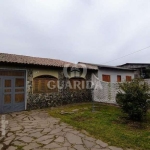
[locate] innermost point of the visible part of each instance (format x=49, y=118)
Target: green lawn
x=107, y=124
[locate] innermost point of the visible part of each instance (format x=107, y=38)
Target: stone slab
x=73, y=139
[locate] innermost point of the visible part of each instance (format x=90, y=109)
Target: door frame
x=4, y=78
x=25, y=70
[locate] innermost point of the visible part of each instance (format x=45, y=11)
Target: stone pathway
x=37, y=130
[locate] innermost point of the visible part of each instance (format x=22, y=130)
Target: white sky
x=94, y=31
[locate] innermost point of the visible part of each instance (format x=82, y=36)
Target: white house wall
x=113, y=74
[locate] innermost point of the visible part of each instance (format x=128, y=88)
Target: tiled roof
x=106, y=66
x=20, y=59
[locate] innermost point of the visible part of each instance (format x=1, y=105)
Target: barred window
x=45, y=84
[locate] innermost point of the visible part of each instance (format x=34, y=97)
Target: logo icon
x=74, y=71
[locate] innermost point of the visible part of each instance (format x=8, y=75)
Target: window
x=7, y=83
x=106, y=78
x=45, y=84
x=7, y=98
x=128, y=78
x=118, y=78
x=77, y=84
x=19, y=82
x=11, y=73
x=19, y=97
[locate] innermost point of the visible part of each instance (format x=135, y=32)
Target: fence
x=108, y=92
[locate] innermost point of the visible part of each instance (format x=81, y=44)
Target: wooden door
x=7, y=95
x=12, y=91
x=19, y=94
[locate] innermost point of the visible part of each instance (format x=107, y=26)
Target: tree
x=133, y=98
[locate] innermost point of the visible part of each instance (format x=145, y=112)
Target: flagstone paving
x=37, y=130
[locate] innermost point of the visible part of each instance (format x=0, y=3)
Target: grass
x=19, y=147
x=107, y=124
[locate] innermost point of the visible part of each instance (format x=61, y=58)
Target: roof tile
x=20, y=59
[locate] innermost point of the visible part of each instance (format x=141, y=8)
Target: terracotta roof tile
x=20, y=59
x=12, y=58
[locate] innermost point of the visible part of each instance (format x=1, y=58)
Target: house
x=112, y=73
x=107, y=85
x=142, y=70
x=31, y=82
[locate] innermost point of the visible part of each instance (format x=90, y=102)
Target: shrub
x=133, y=99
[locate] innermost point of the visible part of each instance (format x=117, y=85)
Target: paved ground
x=37, y=130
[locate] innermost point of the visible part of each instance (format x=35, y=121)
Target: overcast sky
x=95, y=31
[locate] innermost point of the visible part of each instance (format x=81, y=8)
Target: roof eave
x=115, y=68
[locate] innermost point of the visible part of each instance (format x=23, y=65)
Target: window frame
x=104, y=78
x=119, y=77
x=128, y=78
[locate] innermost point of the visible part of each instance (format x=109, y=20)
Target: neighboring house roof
x=28, y=60
x=106, y=66
x=135, y=65
x=89, y=65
